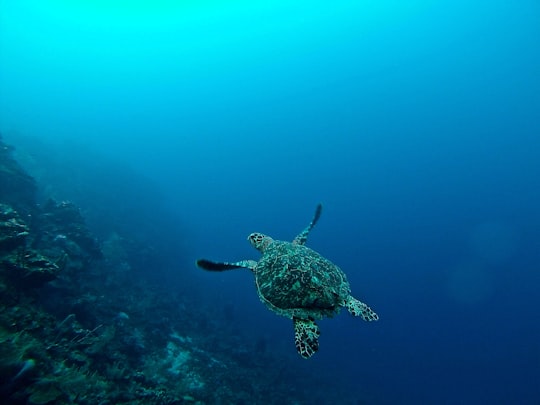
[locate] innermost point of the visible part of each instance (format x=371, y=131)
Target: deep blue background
x=416, y=124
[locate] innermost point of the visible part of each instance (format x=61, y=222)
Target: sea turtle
x=295, y=281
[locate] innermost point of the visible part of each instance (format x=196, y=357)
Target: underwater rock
x=18, y=188
x=134, y=342
x=44, y=393
x=61, y=224
x=13, y=230
x=63, y=213
x=28, y=268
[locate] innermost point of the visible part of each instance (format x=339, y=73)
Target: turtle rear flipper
x=306, y=337
x=358, y=308
x=222, y=266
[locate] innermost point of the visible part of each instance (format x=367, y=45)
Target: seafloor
x=79, y=324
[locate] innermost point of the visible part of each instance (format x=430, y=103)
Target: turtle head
x=259, y=241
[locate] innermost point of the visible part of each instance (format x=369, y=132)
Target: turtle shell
x=295, y=281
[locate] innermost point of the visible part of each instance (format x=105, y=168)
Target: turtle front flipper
x=358, y=308
x=302, y=237
x=306, y=337
x=222, y=266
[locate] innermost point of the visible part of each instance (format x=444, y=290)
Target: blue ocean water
x=415, y=123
